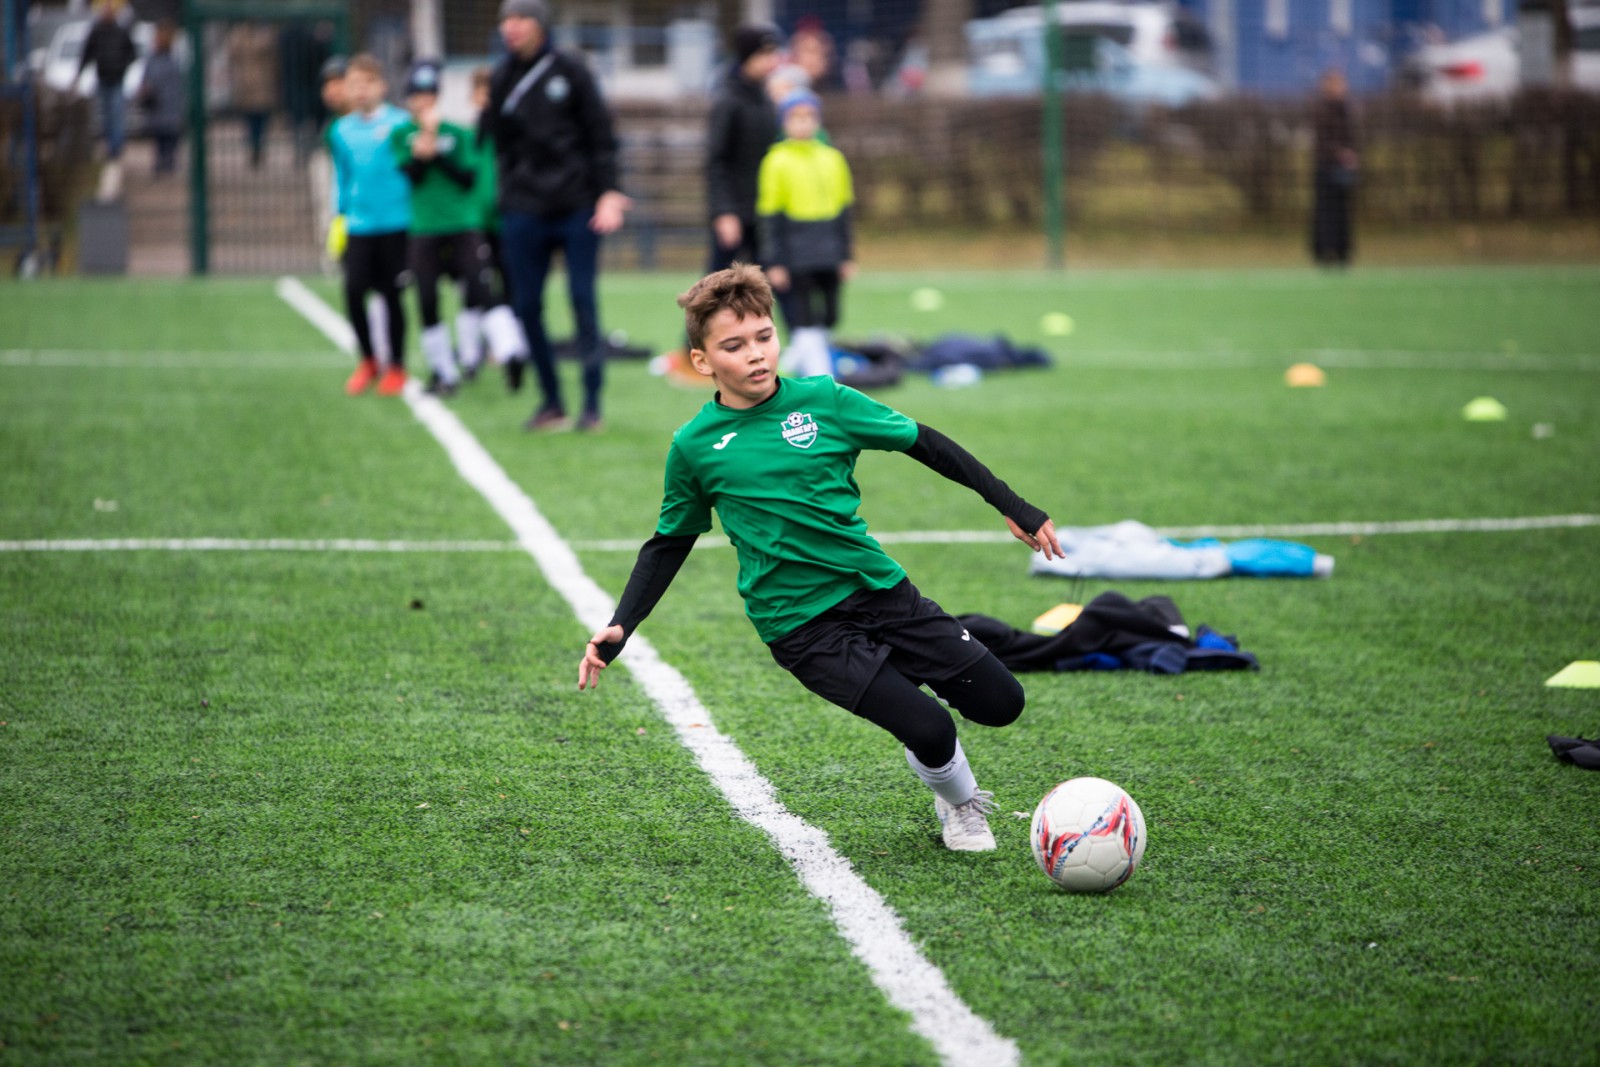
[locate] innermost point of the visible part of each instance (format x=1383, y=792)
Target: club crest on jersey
x=799, y=429
x=558, y=88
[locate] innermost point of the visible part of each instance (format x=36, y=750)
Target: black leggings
x=985, y=693
x=376, y=262
x=463, y=256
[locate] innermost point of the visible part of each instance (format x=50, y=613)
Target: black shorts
x=837, y=654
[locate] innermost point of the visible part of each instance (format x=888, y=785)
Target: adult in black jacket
x=743, y=126
x=110, y=48
x=557, y=160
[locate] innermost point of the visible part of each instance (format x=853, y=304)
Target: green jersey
x=439, y=203
x=487, y=190
x=781, y=478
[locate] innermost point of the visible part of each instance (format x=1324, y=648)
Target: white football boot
x=965, y=827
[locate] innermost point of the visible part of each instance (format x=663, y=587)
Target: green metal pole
x=1054, y=148
x=199, y=208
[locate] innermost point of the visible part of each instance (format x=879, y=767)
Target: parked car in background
x=1140, y=52
x=1484, y=66
x=1586, y=46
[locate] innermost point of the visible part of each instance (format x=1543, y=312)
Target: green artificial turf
x=323, y=806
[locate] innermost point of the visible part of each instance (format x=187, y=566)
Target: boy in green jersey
x=775, y=458
x=437, y=158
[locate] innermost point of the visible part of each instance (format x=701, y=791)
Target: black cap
x=333, y=67
x=425, y=77
x=752, y=38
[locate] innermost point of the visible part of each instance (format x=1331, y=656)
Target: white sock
x=504, y=331
x=441, y=358
x=954, y=781
x=808, y=352
x=378, y=323
x=469, y=337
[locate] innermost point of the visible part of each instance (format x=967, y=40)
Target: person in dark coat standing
x=161, y=94
x=1336, y=165
x=744, y=124
x=559, y=189
x=110, y=48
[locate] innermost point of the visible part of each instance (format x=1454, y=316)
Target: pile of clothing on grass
x=1111, y=633
x=1129, y=550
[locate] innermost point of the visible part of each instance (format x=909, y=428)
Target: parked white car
x=1141, y=52
x=1586, y=46
x=1484, y=66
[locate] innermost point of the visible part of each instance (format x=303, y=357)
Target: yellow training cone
x=1304, y=375
x=1484, y=409
x=1057, y=619
x=1584, y=674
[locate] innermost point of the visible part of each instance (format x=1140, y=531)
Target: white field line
x=239, y=544
x=1305, y=529
x=874, y=932
x=902, y=537
x=98, y=359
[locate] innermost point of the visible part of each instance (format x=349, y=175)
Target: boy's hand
x=1044, y=540
x=592, y=664
x=779, y=278
x=847, y=270
x=425, y=145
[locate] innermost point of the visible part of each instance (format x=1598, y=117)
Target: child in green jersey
x=775, y=458
x=438, y=158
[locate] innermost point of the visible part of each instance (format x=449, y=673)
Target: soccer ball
x=1087, y=835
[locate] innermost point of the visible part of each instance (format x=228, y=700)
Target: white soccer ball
x=1087, y=835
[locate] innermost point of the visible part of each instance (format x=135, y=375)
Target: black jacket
x=744, y=123
x=111, y=49
x=554, y=144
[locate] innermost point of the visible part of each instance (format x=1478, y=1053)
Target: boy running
x=437, y=158
x=776, y=459
x=374, y=208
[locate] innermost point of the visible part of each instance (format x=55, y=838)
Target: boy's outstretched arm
x=1027, y=523
x=659, y=561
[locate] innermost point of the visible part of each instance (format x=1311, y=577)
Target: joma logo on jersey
x=799, y=429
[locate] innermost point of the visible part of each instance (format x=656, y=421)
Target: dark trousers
x=166, y=152
x=376, y=263
x=529, y=244
x=463, y=256
x=814, y=298
x=1330, y=215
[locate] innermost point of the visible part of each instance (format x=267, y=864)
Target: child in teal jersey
x=373, y=206
x=775, y=458
x=437, y=158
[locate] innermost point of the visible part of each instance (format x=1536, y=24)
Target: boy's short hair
x=481, y=76
x=741, y=289
x=365, y=63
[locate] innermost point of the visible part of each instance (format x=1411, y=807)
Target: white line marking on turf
x=875, y=933
x=904, y=537
x=98, y=359
x=232, y=544
x=1306, y=529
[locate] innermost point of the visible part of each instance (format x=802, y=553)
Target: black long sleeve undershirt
x=659, y=561
x=938, y=453
x=661, y=557
x=417, y=169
